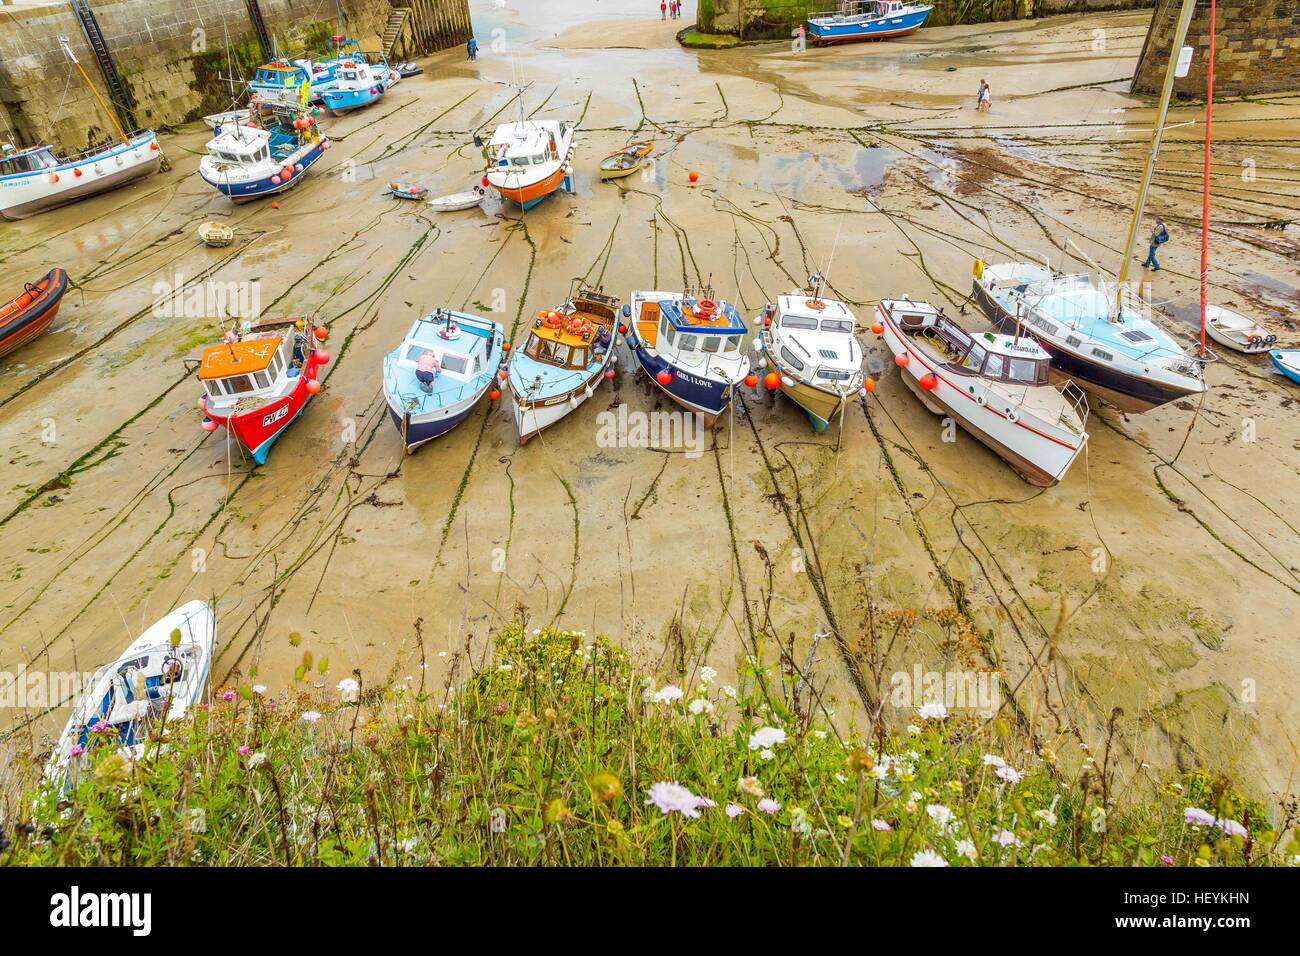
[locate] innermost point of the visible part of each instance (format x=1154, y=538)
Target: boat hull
x=23, y=196
x=707, y=397
x=533, y=416
x=530, y=195
x=264, y=186
x=31, y=321
x=822, y=32
x=1128, y=393
x=345, y=101
x=1290, y=371
x=820, y=405
x=257, y=430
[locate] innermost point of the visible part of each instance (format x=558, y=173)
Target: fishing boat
x=1122, y=357
x=995, y=386
x=256, y=382
x=463, y=354
x=867, y=20
x=807, y=340
x=1233, y=330
x=689, y=344
x=569, y=350
x=1287, y=361
x=268, y=155
x=457, y=201
x=216, y=234
x=155, y=681
x=408, y=190
x=279, y=83
x=34, y=180
x=529, y=160
x=357, y=83
x=626, y=161
x=32, y=312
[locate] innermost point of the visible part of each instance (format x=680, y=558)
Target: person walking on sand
x=1159, y=236
x=663, y=9
x=985, y=98
x=472, y=49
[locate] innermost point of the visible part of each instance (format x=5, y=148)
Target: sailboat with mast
x=1098, y=331
x=36, y=179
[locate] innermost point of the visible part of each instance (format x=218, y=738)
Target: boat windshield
x=798, y=322
x=28, y=162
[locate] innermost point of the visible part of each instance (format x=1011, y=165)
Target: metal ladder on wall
x=118, y=92
x=393, y=30
x=264, y=39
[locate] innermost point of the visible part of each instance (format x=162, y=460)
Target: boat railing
x=101, y=147
x=412, y=400
x=1078, y=401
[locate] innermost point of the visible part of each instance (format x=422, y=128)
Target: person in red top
x=663, y=9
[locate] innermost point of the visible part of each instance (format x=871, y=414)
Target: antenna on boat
x=112, y=117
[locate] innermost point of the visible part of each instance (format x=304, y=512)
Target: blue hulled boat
x=269, y=154
x=1286, y=361
x=690, y=346
x=466, y=352
x=867, y=20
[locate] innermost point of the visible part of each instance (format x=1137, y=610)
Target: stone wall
x=759, y=18
x=1256, y=50
x=174, y=55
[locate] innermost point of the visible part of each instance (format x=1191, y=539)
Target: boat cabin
x=32, y=160
x=241, y=147
x=1004, y=358
x=520, y=145
x=251, y=367
x=458, y=342
x=814, y=336
x=577, y=335
x=690, y=324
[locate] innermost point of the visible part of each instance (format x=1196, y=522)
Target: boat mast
x=1180, y=35
x=1205, y=199
x=63, y=41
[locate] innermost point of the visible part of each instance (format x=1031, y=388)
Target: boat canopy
x=694, y=315
x=30, y=160
x=238, y=358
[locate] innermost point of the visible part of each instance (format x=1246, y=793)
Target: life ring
x=816, y=305
x=706, y=309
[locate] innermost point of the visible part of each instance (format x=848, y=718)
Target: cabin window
x=1103, y=355
x=798, y=322
x=454, y=363
x=789, y=357
x=711, y=343
x=238, y=384
x=731, y=343
x=670, y=333
x=1023, y=370
x=687, y=344
x=976, y=358
x=993, y=368
x=836, y=325
x=261, y=380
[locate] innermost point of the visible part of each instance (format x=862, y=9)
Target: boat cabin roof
x=471, y=340
x=685, y=316
x=807, y=307
x=239, y=358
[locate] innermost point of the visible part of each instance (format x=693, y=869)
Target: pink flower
x=768, y=805
x=706, y=803
x=670, y=796
x=100, y=726
x=228, y=696
x=1197, y=816
x=880, y=825
x=1166, y=860
x=76, y=751
x=243, y=751
x=734, y=810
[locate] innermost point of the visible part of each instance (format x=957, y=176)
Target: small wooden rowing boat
x=30, y=314
x=1287, y=361
x=408, y=190
x=1235, y=331
x=457, y=201
x=625, y=161
x=216, y=234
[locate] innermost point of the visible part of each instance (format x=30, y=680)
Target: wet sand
x=1161, y=577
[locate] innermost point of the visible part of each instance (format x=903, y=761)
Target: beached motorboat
x=466, y=355
x=279, y=83
x=625, y=161
x=408, y=190
x=257, y=381
x=155, y=681
x=455, y=201
x=357, y=83
x=689, y=344
x=1287, y=361
x=867, y=20
x=34, y=180
x=569, y=351
x=1121, y=356
x=1235, y=331
x=216, y=234
x=269, y=154
x=529, y=160
x=995, y=386
x=32, y=312
x=807, y=340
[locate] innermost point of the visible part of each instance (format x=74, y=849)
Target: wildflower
x=729, y=691
x=966, y=848
x=1009, y=775
x=766, y=737
x=940, y=814
x=1047, y=816
x=751, y=786
x=100, y=726
x=228, y=696
x=1232, y=828
x=993, y=760
x=933, y=711
x=259, y=689
x=349, y=690
x=734, y=810
x=799, y=822
x=880, y=826
x=243, y=751
x=1166, y=860
x=768, y=805
x=1198, y=817
x=844, y=821
x=311, y=716
x=927, y=858
x=766, y=754
x=256, y=760
x=1098, y=816
x=1006, y=838
x=701, y=705
x=501, y=709
x=706, y=803
x=707, y=675
x=670, y=796
x=667, y=694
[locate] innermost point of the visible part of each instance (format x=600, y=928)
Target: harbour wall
x=1256, y=49
x=176, y=56
x=755, y=19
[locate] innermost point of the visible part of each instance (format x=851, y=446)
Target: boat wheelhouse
x=1118, y=354
x=867, y=20
x=809, y=342
x=529, y=160
x=466, y=352
x=689, y=344
x=268, y=155
x=569, y=351
x=997, y=387
x=280, y=83
x=257, y=382
x=36, y=179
